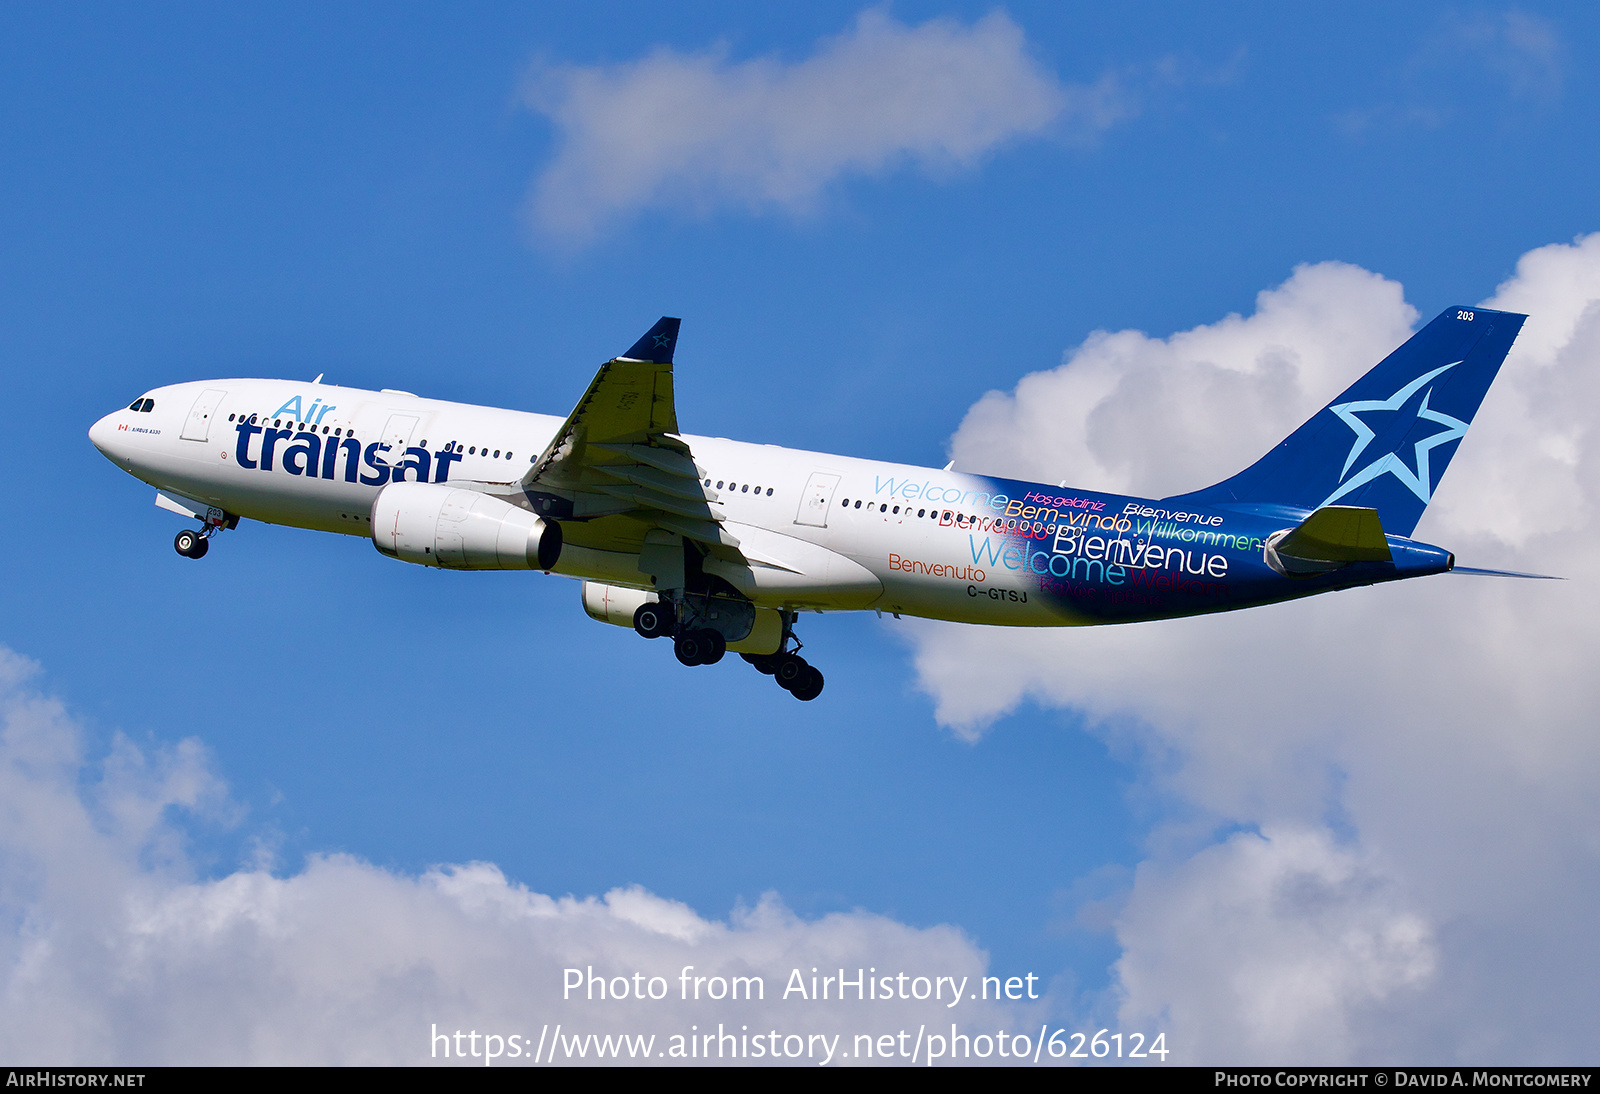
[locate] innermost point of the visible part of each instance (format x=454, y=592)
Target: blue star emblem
x=663, y=340
x=1418, y=481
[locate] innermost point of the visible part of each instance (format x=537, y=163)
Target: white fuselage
x=889, y=537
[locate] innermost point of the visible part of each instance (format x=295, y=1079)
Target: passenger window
x=769, y=491
x=897, y=509
x=508, y=455
x=845, y=503
x=719, y=484
x=858, y=505
x=496, y=451
x=746, y=489
x=922, y=512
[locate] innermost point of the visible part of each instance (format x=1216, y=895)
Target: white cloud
x=113, y=952
x=1223, y=388
x=1255, y=947
x=1447, y=724
x=698, y=131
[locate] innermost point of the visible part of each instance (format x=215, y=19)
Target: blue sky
x=192, y=192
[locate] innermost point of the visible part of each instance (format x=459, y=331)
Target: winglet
x=657, y=344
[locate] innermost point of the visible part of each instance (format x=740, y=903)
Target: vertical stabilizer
x=1385, y=442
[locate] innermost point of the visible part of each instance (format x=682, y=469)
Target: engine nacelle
x=436, y=525
x=614, y=604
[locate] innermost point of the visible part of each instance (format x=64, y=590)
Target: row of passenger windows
x=338, y=431
x=277, y=423
x=734, y=487
x=145, y=405
x=883, y=507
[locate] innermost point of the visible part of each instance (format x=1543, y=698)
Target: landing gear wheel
x=764, y=662
x=653, y=621
x=200, y=548
x=189, y=544
x=809, y=685
x=791, y=670
x=691, y=647
x=716, y=646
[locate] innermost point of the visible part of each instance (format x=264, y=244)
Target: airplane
x=721, y=545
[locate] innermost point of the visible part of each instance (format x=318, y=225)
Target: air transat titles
x=314, y=456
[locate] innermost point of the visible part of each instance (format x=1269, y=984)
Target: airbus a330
x=722, y=545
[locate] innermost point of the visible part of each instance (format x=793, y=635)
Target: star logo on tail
x=1419, y=480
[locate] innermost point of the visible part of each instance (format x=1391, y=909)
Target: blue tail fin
x=657, y=343
x=1385, y=442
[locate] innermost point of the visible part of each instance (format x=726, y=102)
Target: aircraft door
x=198, y=425
x=817, y=499
x=397, y=435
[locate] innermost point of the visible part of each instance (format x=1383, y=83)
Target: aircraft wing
x=617, y=470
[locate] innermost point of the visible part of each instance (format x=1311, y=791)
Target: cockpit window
x=145, y=405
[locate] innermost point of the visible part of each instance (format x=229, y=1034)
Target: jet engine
x=436, y=525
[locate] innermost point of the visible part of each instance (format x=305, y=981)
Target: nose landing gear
x=194, y=543
x=190, y=544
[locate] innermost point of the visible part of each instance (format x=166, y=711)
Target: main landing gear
x=705, y=646
x=792, y=672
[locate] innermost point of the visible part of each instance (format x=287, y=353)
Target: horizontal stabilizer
x=1338, y=533
x=1472, y=571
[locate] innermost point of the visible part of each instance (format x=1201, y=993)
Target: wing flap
x=649, y=477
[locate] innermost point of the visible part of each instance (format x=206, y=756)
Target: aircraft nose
x=103, y=433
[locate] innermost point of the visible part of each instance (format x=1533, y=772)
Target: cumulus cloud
x=1441, y=732
x=1283, y=930
x=699, y=130
x=115, y=952
x=1223, y=388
